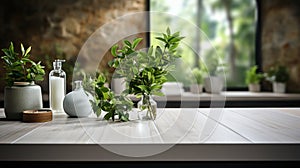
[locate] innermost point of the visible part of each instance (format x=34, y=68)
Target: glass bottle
x=57, y=86
x=147, y=108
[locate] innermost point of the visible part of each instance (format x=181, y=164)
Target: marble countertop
x=173, y=126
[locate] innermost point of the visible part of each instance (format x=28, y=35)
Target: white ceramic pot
x=214, y=84
x=254, y=87
x=279, y=87
x=118, y=85
x=196, y=88
x=21, y=97
x=172, y=88
x=76, y=103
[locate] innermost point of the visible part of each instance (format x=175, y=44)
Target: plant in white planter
x=21, y=93
x=253, y=79
x=197, y=84
x=278, y=75
x=213, y=83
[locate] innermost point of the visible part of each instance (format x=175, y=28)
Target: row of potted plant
x=277, y=75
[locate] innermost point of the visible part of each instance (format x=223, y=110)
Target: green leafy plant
x=278, y=74
x=105, y=100
x=213, y=63
x=253, y=77
x=198, y=75
x=19, y=68
x=145, y=71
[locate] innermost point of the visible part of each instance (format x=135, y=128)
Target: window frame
x=257, y=45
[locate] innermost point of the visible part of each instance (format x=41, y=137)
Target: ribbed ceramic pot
x=279, y=87
x=254, y=87
x=20, y=97
x=214, y=84
x=196, y=88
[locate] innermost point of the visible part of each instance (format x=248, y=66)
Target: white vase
x=214, y=84
x=254, y=87
x=279, y=87
x=76, y=103
x=196, y=88
x=118, y=85
x=18, y=98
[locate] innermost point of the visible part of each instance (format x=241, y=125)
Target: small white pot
x=214, y=84
x=196, y=88
x=254, y=87
x=118, y=85
x=172, y=88
x=278, y=87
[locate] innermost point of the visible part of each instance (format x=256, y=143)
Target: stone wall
x=59, y=28
x=281, y=37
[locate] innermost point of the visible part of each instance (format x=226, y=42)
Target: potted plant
x=278, y=75
x=145, y=71
x=197, y=84
x=21, y=93
x=253, y=79
x=213, y=83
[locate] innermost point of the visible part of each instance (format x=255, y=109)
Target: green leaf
x=127, y=43
x=104, y=89
x=161, y=39
x=114, y=50
x=22, y=49
x=107, y=116
x=150, y=51
x=11, y=47
x=142, y=87
x=155, y=86
x=158, y=93
x=136, y=42
x=98, y=111
x=27, y=51
x=158, y=52
x=168, y=31
x=110, y=63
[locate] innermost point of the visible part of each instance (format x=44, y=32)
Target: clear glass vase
x=147, y=108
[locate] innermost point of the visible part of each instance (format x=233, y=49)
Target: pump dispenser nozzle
x=57, y=64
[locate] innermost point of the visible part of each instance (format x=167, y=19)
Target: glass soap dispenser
x=57, y=86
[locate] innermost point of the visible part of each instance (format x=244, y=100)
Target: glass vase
x=147, y=108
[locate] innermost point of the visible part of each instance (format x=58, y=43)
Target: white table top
x=190, y=126
x=173, y=125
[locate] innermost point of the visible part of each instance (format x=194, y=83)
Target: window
x=228, y=25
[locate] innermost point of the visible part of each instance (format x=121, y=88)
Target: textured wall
x=59, y=28
x=281, y=37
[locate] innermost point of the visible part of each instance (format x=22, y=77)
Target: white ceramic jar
x=76, y=103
